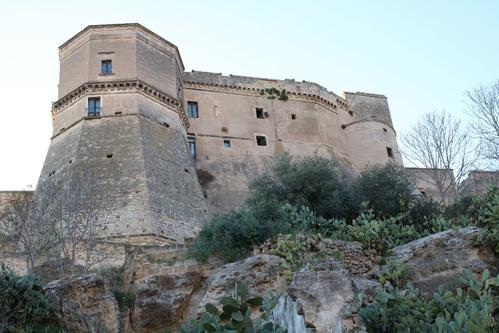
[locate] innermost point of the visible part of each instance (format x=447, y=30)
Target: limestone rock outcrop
x=261, y=273
x=84, y=304
x=324, y=293
x=161, y=300
x=441, y=258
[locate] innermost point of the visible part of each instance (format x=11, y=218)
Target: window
x=384, y=129
x=389, y=152
x=293, y=116
x=93, y=109
x=261, y=140
x=259, y=113
x=192, y=110
x=227, y=143
x=192, y=146
x=106, y=67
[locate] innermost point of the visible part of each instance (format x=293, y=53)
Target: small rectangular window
x=389, y=152
x=192, y=146
x=227, y=143
x=93, y=107
x=261, y=140
x=293, y=116
x=106, y=67
x=192, y=110
x=259, y=113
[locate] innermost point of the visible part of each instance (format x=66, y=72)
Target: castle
x=158, y=148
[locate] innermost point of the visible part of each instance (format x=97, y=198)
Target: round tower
x=119, y=147
x=370, y=135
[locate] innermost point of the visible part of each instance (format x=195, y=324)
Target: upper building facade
x=158, y=148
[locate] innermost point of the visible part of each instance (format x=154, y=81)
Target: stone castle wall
x=132, y=164
x=310, y=121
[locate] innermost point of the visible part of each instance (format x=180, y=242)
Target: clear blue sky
x=423, y=55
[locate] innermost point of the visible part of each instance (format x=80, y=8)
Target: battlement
x=258, y=85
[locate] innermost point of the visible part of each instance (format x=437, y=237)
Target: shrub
x=468, y=309
x=421, y=211
x=235, y=316
x=489, y=218
x=232, y=236
x=23, y=304
x=385, y=188
x=312, y=182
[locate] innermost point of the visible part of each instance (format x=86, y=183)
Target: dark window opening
x=109, y=155
x=389, y=152
x=227, y=144
x=192, y=146
x=293, y=116
x=186, y=170
x=118, y=112
x=166, y=125
x=94, y=108
x=70, y=161
x=192, y=110
x=259, y=113
x=261, y=140
x=106, y=67
x=384, y=129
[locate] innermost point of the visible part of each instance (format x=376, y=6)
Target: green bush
x=469, y=309
x=313, y=182
x=385, y=188
x=232, y=236
x=23, y=303
x=489, y=218
x=235, y=316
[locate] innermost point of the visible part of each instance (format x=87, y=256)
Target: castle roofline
x=364, y=94
x=121, y=25
x=306, y=87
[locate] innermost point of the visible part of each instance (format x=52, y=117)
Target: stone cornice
x=137, y=86
x=241, y=90
x=369, y=121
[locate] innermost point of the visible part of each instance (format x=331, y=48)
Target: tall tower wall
x=128, y=162
x=370, y=134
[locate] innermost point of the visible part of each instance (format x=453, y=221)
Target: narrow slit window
x=192, y=110
x=261, y=140
x=259, y=113
x=106, y=67
x=227, y=143
x=192, y=146
x=293, y=116
x=389, y=152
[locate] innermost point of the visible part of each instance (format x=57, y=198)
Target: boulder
x=441, y=258
x=161, y=300
x=84, y=304
x=324, y=294
x=261, y=273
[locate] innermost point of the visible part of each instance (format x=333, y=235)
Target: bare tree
x=74, y=212
x=24, y=231
x=437, y=144
x=483, y=105
x=61, y=223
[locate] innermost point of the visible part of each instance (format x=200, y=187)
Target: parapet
x=369, y=107
x=293, y=88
